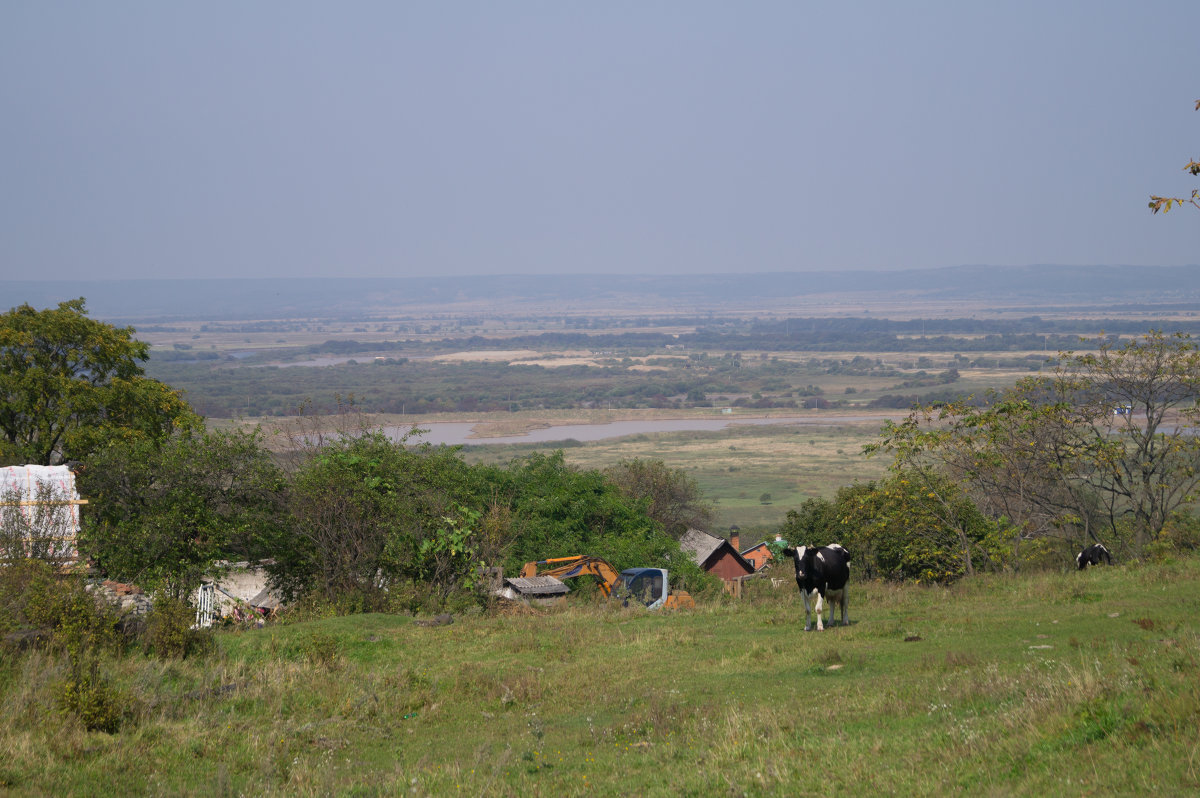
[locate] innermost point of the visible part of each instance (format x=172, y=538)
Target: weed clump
x=321, y=650
x=169, y=633
x=86, y=695
x=83, y=630
x=26, y=587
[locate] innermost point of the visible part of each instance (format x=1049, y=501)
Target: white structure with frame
x=39, y=509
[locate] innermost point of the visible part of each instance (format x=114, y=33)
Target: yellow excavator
x=647, y=585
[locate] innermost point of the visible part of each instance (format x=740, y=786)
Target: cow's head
x=802, y=556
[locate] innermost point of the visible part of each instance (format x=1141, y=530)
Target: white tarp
x=41, y=502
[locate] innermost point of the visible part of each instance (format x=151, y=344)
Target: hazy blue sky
x=398, y=138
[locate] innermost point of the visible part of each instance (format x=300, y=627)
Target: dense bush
x=367, y=514
x=82, y=635
x=165, y=513
x=26, y=587
x=169, y=633
x=896, y=530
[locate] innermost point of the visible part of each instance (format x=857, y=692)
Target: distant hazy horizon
x=1011, y=267
x=276, y=297
x=379, y=139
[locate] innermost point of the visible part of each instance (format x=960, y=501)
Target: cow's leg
x=846, y=606
x=807, y=610
x=820, y=610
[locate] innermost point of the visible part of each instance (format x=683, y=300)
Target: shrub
x=87, y=695
x=84, y=629
x=1180, y=534
x=62, y=604
x=315, y=606
x=169, y=632
x=25, y=588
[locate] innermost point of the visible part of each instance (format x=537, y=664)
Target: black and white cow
x=822, y=572
x=1094, y=554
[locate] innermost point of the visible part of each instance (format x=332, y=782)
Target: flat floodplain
x=1072, y=683
x=735, y=467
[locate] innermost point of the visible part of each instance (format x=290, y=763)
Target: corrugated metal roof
x=699, y=544
x=538, y=585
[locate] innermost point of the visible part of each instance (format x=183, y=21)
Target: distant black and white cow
x=822, y=573
x=1094, y=554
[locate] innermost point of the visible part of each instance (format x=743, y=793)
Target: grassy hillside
x=1054, y=684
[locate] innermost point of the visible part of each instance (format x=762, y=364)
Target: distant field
x=470, y=359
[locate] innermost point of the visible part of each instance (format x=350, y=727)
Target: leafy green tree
x=162, y=515
x=900, y=529
x=673, y=498
x=68, y=383
x=815, y=523
x=1017, y=456
x=448, y=559
x=559, y=511
x=344, y=508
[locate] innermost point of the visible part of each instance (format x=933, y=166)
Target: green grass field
x=1051, y=684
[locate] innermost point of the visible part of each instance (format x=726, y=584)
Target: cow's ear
x=789, y=552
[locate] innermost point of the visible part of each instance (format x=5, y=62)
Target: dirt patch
x=488, y=355
x=550, y=363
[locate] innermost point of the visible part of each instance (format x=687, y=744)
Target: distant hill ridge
x=281, y=297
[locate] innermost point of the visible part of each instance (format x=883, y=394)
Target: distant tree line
x=422, y=386
x=796, y=334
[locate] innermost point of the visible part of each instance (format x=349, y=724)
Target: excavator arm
x=650, y=584
x=567, y=567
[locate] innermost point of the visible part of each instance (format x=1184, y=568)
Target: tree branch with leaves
x=1105, y=447
x=1165, y=204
